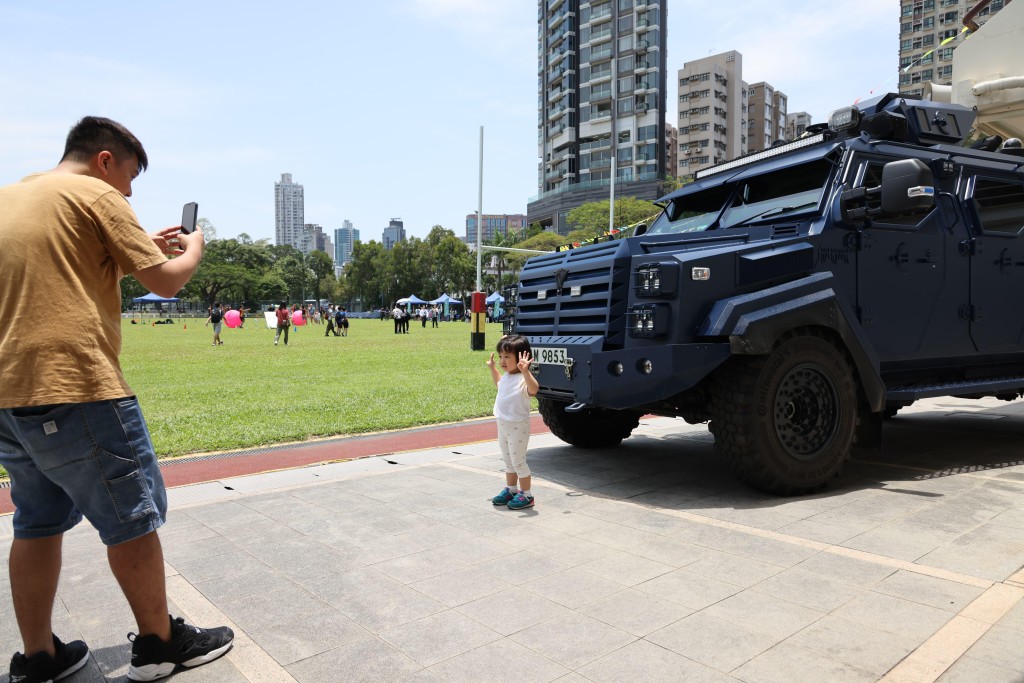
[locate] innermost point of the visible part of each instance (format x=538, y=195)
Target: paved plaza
x=647, y=562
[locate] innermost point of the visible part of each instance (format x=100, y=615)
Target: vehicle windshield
x=784, y=192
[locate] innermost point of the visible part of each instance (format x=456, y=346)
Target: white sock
x=527, y=494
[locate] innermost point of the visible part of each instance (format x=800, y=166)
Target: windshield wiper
x=775, y=211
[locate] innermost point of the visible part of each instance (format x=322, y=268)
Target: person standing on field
x=72, y=435
x=284, y=321
x=216, y=317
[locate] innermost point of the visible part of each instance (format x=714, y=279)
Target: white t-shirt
x=513, y=400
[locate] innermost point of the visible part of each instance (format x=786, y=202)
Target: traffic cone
x=185, y=326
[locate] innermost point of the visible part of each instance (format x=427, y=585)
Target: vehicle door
x=911, y=277
x=995, y=209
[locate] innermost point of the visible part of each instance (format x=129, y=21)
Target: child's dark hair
x=514, y=344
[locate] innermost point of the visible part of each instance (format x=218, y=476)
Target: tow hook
x=576, y=407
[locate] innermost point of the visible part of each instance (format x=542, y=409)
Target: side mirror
x=639, y=230
x=907, y=185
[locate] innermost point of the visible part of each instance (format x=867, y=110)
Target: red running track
x=178, y=473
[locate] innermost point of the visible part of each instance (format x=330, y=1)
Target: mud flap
x=867, y=437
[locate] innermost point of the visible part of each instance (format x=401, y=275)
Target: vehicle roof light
x=760, y=156
x=844, y=119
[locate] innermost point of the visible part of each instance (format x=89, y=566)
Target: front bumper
x=590, y=376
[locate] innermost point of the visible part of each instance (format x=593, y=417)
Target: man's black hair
x=94, y=134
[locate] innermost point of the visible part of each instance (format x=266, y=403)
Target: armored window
x=999, y=205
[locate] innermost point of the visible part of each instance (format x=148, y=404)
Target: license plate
x=550, y=356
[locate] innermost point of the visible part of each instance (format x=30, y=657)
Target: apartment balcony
x=564, y=136
x=601, y=96
x=598, y=16
x=556, y=20
x=598, y=37
x=601, y=55
x=597, y=79
x=640, y=3
x=557, y=93
x=642, y=45
x=558, y=111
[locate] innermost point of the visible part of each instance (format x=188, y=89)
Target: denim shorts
x=73, y=459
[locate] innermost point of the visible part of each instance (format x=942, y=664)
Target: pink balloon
x=232, y=318
x=297, y=319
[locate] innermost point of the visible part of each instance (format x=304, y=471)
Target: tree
x=209, y=231
x=544, y=241
x=322, y=266
x=593, y=216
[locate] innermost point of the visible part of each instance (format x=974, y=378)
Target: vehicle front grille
x=601, y=274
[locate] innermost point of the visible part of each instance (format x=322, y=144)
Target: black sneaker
x=189, y=646
x=42, y=667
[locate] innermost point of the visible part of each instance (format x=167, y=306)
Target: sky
x=375, y=108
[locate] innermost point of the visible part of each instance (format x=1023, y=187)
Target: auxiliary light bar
x=760, y=156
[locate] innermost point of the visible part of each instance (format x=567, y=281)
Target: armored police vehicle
x=793, y=297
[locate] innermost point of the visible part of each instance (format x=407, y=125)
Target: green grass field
x=248, y=392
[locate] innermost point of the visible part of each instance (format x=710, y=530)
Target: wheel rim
x=806, y=412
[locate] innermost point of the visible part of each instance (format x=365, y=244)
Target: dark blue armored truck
x=794, y=297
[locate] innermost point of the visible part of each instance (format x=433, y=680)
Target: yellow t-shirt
x=65, y=241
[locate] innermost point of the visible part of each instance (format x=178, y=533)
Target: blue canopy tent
x=497, y=300
x=410, y=301
x=152, y=298
x=445, y=302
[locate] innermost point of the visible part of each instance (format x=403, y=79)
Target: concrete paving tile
x=688, y=589
x=263, y=611
x=1013, y=517
x=336, y=588
x=387, y=608
x=714, y=642
x=439, y=637
x=383, y=548
x=418, y=566
x=364, y=661
x=572, y=551
x=304, y=636
x=1000, y=646
x=626, y=568
x=511, y=611
x=402, y=524
x=887, y=613
x=740, y=571
x=849, y=569
x=200, y=548
x=635, y=612
x=650, y=663
x=858, y=645
x=1014, y=619
x=460, y=586
x=971, y=670
x=666, y=550
x=830, y=532
x=771, y=551
x=268, y=533
x=476, y=550
x=240, y=586
x=331, y=498
x=572, y=587
x=901, y=540
x=764, y=614
x=220, y=566
x=991, y=551
x=709, y=535
x=436, y=536
x=521, y=567
x=785, y=663
x=928, y=590
x=303, y=557
x=810, y=589
x=576, y=524
x=758, y=517
x=491, y=662
x=573, y=640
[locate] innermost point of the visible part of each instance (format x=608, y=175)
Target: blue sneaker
x=520, y=501
x=504, y=497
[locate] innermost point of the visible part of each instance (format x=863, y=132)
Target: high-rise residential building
x=766, y=116
x=671, y=148
x=796, y=124
x=289, y=212
x=711, y=112
x=493, y=225
x=345, y=239
x=924, y=25
x=601, y=104
x=313, y=237
x=394, y=233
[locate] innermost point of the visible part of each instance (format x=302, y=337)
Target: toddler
x=512, y=410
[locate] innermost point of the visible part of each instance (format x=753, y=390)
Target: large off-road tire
x=785, y=422
x=589, y=428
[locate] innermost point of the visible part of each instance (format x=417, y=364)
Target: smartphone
x=189, y=215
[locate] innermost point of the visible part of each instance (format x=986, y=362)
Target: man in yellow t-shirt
x=72, y=436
